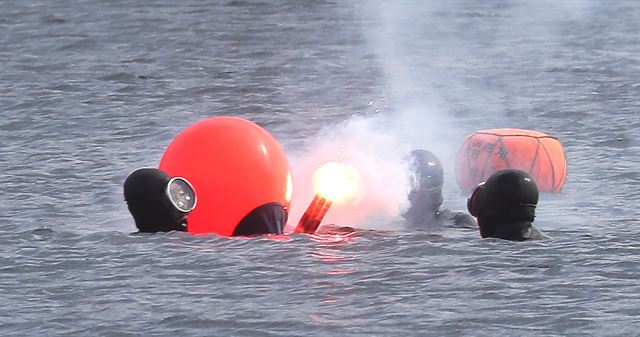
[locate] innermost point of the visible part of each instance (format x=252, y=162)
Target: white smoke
x=428, y=63
x=381, y=161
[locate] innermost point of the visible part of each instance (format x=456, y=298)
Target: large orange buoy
x=234, y=165
x=488, y=151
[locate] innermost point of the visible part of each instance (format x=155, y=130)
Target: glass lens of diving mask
x=181, y=195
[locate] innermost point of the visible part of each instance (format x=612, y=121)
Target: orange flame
x=337, y=182
x=333, y=182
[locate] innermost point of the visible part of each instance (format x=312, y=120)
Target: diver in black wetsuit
x=426, y=196
x=505, y=206
x=158, y=202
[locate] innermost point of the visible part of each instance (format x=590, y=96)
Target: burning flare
x=337, y=182
x=333, y=182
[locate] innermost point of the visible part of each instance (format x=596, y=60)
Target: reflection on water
x=336, y=263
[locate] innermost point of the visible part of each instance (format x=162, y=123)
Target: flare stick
x=312, y=217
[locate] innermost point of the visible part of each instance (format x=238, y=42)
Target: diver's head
x=505, y=204
x=426, y=181
x=158, y=202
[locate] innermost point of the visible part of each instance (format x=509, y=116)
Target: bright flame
x=337, y=182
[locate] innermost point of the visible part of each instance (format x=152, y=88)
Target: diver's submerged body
x=426, y=196
x=505, y=206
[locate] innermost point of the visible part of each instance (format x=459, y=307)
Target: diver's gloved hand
x=465, y=220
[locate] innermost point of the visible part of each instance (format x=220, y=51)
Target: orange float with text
x=487, y=151
x=234, y=166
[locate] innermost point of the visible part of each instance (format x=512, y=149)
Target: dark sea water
x=92, y=90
